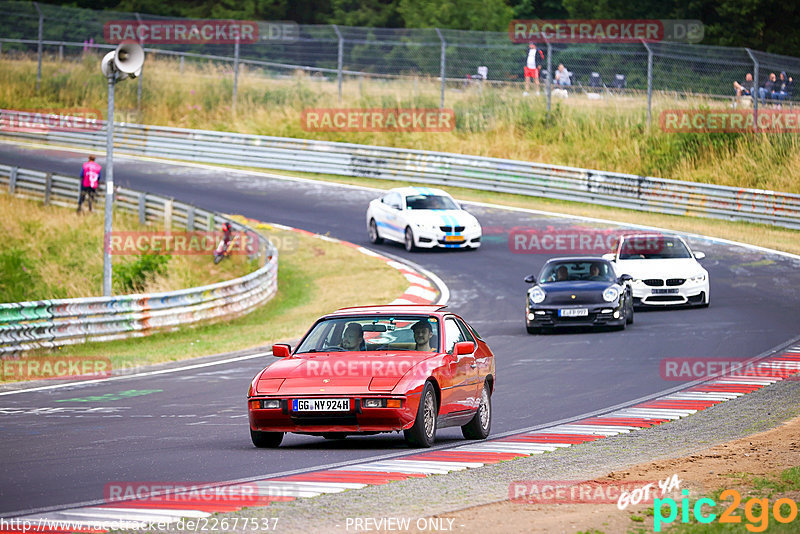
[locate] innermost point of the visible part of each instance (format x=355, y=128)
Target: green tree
x=486, y=15
x=370, y=13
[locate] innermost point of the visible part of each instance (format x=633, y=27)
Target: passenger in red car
x=423, y=331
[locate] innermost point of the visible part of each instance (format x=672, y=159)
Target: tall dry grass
x=51, y=252
x=609, y=134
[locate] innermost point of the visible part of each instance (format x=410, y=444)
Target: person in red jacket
x=90, y=179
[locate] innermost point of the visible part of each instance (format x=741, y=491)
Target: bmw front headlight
x=537, y=295
x=611, y=294
x=698, y=278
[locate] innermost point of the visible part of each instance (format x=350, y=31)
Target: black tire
x=533, y=330
x=374, y=237
x=218, y=258
x=629, y=313
x=423, y=433
x=480, y=425
x=409, y=240
x=334, y=435
x=266, y=440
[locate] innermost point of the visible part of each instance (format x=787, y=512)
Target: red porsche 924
x=375, y=369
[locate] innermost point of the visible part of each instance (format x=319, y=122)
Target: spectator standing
x=90, y=179
x=531, y=69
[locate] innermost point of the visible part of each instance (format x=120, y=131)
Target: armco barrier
x=472, y=172
x=50, y=323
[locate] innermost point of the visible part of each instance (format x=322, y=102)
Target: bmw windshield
x=430, y=202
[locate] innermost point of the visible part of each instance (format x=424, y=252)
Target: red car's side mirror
x=464, y=347
x=281, y=350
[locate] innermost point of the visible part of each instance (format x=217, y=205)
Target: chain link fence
x=451, y=57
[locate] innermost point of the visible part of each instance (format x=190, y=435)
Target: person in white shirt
x=562, y=76
x=531, y=69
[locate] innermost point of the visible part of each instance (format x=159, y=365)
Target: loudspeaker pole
x=109, y=207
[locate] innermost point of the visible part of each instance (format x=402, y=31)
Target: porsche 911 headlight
x=611, y=294
x=537, y=295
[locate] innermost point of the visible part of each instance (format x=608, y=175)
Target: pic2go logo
x=756, y=511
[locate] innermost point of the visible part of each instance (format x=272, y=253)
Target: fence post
x=235, y=72
x=142, y=208
x=549, y=76
x=211, y=226
x=649, y=83
x=1, y=49
x=180, y=68
x=12, y=180
x=48, y=187
x=443, y=65
x=755, y=82
x=190, y=218
x=61, y=52
x=39, y=47
x=339, y=60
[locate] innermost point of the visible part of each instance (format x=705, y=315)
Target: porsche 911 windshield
x=373, y=333
x=659, y=249
x=430, y=202
x=573, y=271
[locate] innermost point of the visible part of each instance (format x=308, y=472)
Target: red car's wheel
x=480, y=425
x=264, y=440
x=423, y=433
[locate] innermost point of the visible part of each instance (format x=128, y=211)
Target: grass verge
x=50, y=252
x=314, y=277
x=610, y=133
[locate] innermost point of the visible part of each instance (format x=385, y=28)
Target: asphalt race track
x=62, y=446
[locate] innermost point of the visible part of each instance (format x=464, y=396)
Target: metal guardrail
x=51, y=323
x=472, y=172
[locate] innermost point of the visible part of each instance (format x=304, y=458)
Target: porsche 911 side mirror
x=610, y=256
x=530, y=279
x=624, y=278
x=699, y=255
x=281, y=350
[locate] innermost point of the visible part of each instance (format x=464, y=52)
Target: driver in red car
x=423, y=332
x=353, y=337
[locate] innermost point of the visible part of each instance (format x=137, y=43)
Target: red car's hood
x=338, y=373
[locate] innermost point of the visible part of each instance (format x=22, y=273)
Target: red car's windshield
x=373, y=333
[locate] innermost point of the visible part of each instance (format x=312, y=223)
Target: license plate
x=573, y=312
x=320, y=405
x=453, y=238
x=665, y=291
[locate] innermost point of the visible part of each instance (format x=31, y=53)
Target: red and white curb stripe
x=171, y=508
x=424, y=288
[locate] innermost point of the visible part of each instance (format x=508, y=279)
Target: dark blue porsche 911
x=580, y=291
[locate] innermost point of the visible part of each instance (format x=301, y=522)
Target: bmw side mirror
x=699, y=255
x=530, y=279
x=281, y=350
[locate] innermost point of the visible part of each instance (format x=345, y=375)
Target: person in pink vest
x=90, y=179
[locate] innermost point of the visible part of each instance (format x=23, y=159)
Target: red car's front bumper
x=357, y=419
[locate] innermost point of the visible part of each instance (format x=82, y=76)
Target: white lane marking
x=516, y=445
x=517, y=450
x=393, y=469
x=444, y=465
x=411, y=464
x=421, y=292
x=309, y=485
x=139, y=375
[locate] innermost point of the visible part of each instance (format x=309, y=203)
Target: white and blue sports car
x=422, y=217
